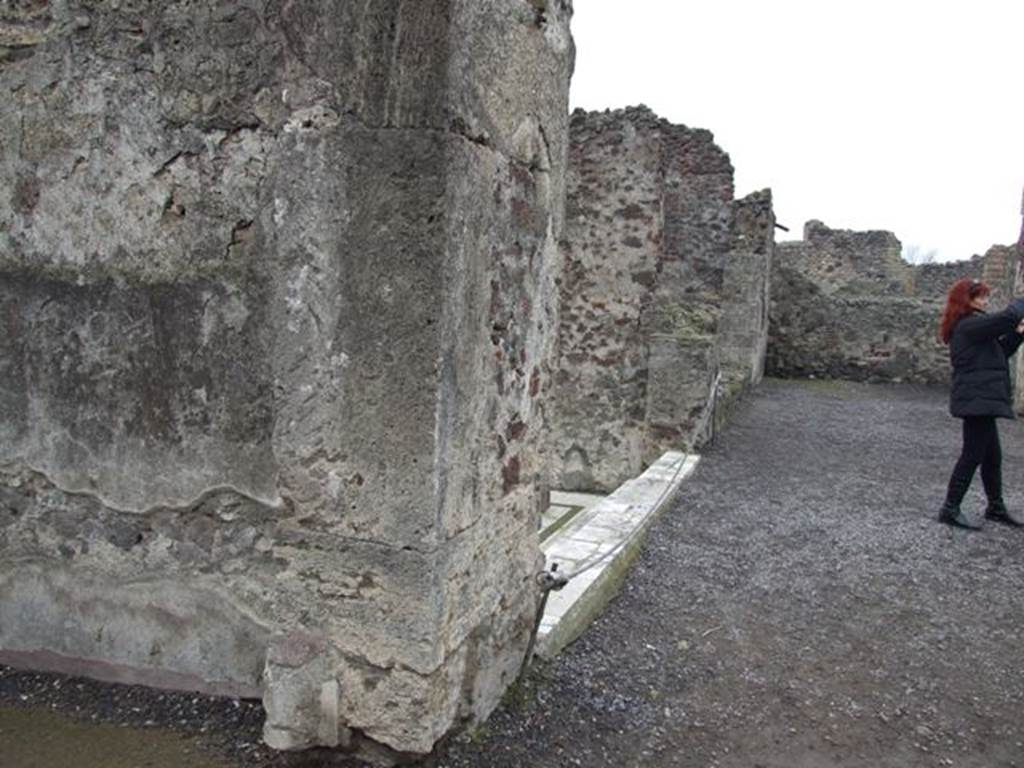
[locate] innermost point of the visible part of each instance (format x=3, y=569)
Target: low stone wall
x=651, y=258
x=861, y=338
x=277, y=303
x=845, y=305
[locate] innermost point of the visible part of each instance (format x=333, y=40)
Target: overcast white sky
x=877, y=114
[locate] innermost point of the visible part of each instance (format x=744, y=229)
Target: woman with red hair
x=979, y=347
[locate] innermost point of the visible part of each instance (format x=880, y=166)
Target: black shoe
x=950, y=514
x=997, y=511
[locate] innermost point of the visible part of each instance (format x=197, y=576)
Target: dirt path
x=799, y=607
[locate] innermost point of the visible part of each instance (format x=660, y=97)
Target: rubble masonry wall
x=651, y=235
x=845, y=305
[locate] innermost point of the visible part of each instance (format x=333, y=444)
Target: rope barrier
x=710, y=413
x=553, y=580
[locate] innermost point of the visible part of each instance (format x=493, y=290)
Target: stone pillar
x=744, y=321
x=648, y=232
x=277, y=303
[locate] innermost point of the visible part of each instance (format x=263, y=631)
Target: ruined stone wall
x=845, y=305
x=648, y=236
x=934, y=280
x=277, y=295
x=743, y=327
x=999, y=266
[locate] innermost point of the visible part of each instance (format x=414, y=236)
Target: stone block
x=277, y=306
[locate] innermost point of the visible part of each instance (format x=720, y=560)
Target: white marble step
x=614, y=523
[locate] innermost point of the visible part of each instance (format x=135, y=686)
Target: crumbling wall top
x=692, y=151
x=842, y=261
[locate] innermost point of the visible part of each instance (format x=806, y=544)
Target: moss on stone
x=687, y=322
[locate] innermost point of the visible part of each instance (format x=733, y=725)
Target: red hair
x=958, y=304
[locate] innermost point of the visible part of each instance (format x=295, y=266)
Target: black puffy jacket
x=979, y=349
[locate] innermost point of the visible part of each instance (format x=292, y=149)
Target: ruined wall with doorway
x=845, y=305
x=277, y=303
x=649, y=241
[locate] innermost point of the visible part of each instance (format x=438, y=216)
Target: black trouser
x=981, y=446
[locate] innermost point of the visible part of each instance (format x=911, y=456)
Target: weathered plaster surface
x=278, y=301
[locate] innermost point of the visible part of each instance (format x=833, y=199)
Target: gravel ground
x=798, y=607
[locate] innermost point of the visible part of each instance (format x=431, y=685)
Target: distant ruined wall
x=845, y=305
x=933, y=280
x=649, y=239
x=277, y=301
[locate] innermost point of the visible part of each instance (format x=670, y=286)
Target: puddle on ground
x=39, y=738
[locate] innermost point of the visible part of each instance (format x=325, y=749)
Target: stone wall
x=649, y=238
x=934, y=280
x=845, y=305
x=743, y=327
x=277, y=297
